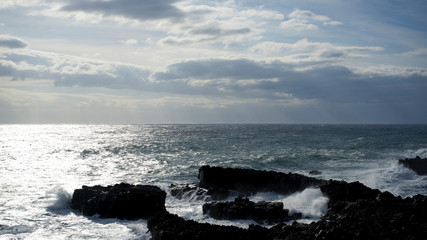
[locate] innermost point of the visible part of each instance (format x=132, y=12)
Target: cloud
x=247, y=78
x=417, y=52
x=129, y=42
x=65, y=70
x=309, y=51
x=21, y=3
x=207, y=34
x=303, y=20
x=134, y=9
x=240, y=79
x=217, y=23
x=298, y=25
x=7, y=41
x=263, y=14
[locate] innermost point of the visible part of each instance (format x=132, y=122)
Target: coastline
x=354, y=210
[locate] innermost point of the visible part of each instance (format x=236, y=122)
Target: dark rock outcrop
x=341, y=191
x=249, y=181
x=167, y=226
x=355, y=211
x=242, y=208
x=123, y=201
x=419, y=165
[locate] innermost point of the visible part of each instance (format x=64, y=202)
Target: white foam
x=13, y=230
x=310, y=202
x=422, y=152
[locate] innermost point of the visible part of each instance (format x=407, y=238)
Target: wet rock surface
x=249, y=181
x=355, y=211
x=123, y=201
x=242, y=208
x=167, y=226
x=419, y=165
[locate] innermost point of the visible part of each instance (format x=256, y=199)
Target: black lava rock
x=167, y=226
x=251, y=181
x=419, y=165
x=242, y=208
x=123, y=201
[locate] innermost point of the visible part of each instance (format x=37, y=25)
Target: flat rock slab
x=251, y=181
x=123, y=201
x=242, y=208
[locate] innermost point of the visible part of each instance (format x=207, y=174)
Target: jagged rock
x=122, y=201
x=249, y=181
x=419, y=165
x=242, y=208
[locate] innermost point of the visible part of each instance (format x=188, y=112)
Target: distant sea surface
x=41, y=165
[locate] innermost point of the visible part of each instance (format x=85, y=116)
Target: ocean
x=41, y=165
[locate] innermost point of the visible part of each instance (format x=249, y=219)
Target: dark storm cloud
x=136, y=9
x=12, y=42
x=329, y=83
x=219, y=68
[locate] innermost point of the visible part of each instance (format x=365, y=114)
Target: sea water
x=41, y=165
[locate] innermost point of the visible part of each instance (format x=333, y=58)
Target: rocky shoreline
x=354, y=210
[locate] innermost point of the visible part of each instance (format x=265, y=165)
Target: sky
x=190, y=61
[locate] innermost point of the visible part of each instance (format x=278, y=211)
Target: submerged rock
x=242, y=208
x=419, y=165
x=123, y=201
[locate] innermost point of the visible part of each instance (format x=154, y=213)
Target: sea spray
x=310, y=202
x=59, y=200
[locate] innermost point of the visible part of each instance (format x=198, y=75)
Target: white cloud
x=303, y=20
x=298, y=25
x=180, y=22
x=307, y=15
x=311, y=51
x=263, y=14
x=129, y=42
x=332, y=23
x=66, y=70
x=417, y=52
x=21, y=3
